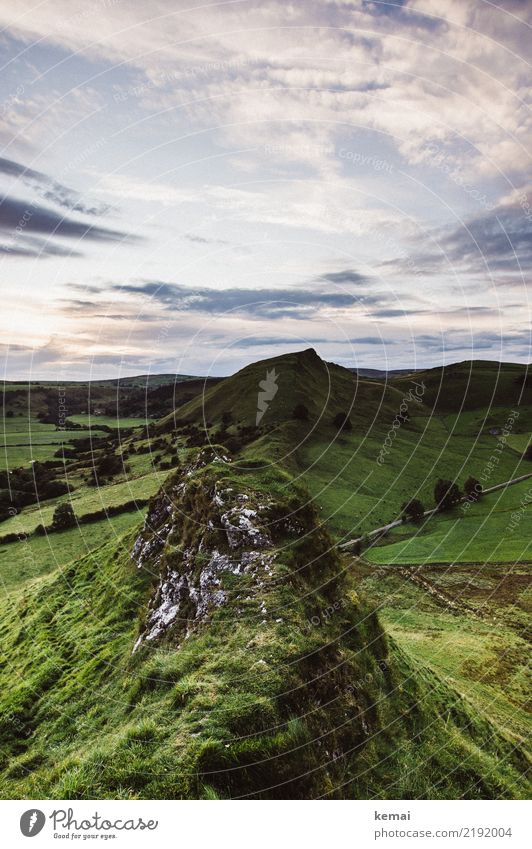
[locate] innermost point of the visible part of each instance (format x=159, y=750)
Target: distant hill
x=379, y=374
x=472, y=384
x=143, y=396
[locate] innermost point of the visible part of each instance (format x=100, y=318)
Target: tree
x=300, y=412
x=473, y=488
x=64, y=517
x=446, y=494
x=524, y=379
x=357, y=547
x=341, y=421
x=227, y=418
x=109, y=464
x=413, y=510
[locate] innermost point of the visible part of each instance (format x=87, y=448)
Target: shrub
x=64, y=517
x=413, y=510
x=446, y=494
x=342, y=422
x=300, y=412
x=109, y=464
x=473, y=489
x=524, y=379
x=7, y=538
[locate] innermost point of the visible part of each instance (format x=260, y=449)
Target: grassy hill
x=341, y=466
x=473, y=385
x=224, y=648
x=233, y=690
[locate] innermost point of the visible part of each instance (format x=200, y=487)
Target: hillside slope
x=223, y=648
x=224, y=652
x=401, y=436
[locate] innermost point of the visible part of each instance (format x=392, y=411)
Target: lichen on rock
x=197, y=534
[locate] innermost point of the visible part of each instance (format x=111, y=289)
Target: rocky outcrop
x=197, y=533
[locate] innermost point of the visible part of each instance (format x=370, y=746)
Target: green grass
x=85, y=500
x=519, y=441
x=357, y=493
x=354, y=491
x=115, y=422
x=24, y=440
x=483, y=657
x=474, y=385
x=253, y=700
x=252, y=704
x=496, y=529
x=38, y=555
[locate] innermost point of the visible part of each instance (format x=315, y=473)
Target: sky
x=191, y=186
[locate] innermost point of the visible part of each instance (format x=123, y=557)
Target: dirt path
x=441, y=597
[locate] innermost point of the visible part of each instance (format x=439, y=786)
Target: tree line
x=447, y=494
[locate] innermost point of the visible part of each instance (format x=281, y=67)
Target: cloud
x=416, y=71
x=19, y=219
x=397, y=313
x=462, y=312
x=345, y=277
x=50, y=190
x=312, y=131
x=36, y=249
x=127, y=187
x=498, y=241
x=505, y=344
x=260, y=303
x=372, y=340
x=314, y=205
x=279, y=341
x=201, y=240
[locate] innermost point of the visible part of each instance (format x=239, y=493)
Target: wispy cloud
x=20, y=220
x=354, y=161
x=51, y=190
x=346, y=276
x=497, y=241
x=262, y=303
x=36, y=249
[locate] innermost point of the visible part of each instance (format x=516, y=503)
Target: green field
x=23, y=441
x=118, y=423
x=357, y=494
x=232, y=710
x=85, y=500
x=520, y=441
x=38, y=555
x=496, y=529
